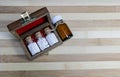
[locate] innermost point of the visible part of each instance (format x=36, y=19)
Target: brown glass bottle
x=62, y=28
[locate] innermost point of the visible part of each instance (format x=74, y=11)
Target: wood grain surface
x=94, y=51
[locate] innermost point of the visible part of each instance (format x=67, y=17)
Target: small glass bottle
x=62, y=28
x=50, y=36
x=41, y=41
x=32, y=46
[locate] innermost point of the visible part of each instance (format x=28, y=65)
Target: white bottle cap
x=56, y=19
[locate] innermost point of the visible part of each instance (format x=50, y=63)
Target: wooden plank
x=12, y=51
x=62, y=73
x=71, y=42
x=61, y=58
x=11, y=74
x=88, y=65
x=6, y=35
x=81, y=25
x=61, y=9
x=77, y=34
x=93, y=42
x=96, y=34
x=77, y=27
x=59, y=3
x=70, y=16
x=78, y=73
x=66, y=50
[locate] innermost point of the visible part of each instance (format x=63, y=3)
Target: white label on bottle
x=33, y=48
x=51, y=38
x=42, y=42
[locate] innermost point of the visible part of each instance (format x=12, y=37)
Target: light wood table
x=94, y=51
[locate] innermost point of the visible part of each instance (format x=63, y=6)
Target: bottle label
x=33, y=48
x=51, y=38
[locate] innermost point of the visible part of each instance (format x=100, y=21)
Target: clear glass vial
x=62, y=28
x=50, y=36
x=41, y=41
x=32, y=46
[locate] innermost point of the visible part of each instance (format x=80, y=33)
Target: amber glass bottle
x=62, y=28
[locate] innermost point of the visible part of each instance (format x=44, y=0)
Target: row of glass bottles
x=50, y=39
x=42, y=42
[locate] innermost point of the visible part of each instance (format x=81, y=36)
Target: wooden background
x=94, y=51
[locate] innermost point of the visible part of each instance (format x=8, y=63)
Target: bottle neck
x=39, y=38
x=59, y=22
x=29, y=42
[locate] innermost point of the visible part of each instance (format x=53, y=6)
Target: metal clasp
x=25, y=16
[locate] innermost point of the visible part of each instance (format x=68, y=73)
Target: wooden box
x=39, y=20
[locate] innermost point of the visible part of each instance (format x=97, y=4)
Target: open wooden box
x=39, y=20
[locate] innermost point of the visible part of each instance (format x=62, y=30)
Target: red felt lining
x=31, y=25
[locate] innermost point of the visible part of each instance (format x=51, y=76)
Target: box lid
x=19, y=24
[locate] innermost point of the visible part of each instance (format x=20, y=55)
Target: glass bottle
x=62, y=28
x=32, y=46
x=50, y=36
x=41, y=41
